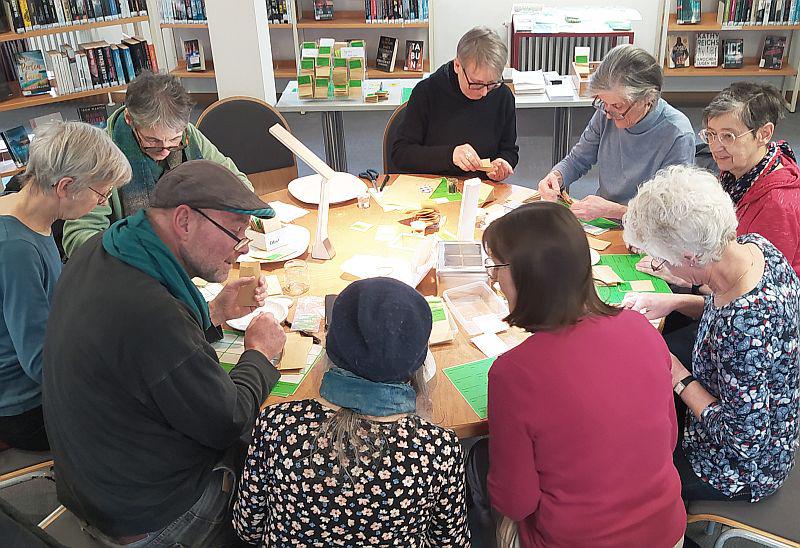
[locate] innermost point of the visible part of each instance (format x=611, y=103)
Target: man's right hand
x=465, y=157
x=265, y=335
x=550, y=186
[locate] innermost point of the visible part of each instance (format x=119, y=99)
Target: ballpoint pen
x=383, y=184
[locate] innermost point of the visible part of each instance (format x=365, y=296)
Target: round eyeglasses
x=725, y=138
x=600, y=105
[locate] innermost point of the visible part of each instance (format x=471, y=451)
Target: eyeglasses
x=656, y=267
x=174, y=148
x=103, y=197
x=241, y=243
x=600, y=105
x=476, y=86
x=491, y=266
x=725, y=138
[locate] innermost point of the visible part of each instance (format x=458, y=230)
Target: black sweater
x=137, y=407
x=439, y=117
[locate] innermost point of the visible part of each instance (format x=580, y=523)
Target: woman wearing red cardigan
x=581, y=416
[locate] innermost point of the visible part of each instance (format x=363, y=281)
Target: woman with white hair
x=72, y=168
x=742, y=392
x=633, y=134
x=461, y=114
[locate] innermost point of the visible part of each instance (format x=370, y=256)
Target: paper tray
x=471, y=301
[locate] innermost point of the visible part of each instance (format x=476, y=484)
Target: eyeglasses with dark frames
x=600, y=105
x=105, y=196
x=241, y=243
x=491, y=266
x=174, y=148
x=477, y=86
x=657, y=264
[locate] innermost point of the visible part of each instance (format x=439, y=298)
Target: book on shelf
x=772, y=54
x=26, y=15
x=277, y=11
x=18, y=143
x=678, y=53
x=183, y=11
x=387, y=53
x=395, y=11
x=41, y=122
x=194, y=55
x=732, y=53
x=32, y=72
x=706, y=50
x=413, y=58
x=323, y=10
x=739, y=13
x=688, y=11
x=96, y=115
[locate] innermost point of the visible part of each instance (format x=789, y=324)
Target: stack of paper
x=560, y=92
x=528, y=82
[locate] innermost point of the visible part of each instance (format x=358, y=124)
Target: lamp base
x=323, y=249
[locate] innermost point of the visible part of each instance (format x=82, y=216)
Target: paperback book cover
x=323, y=10
x=688, y=11
x=17, y=142
x=414, y=50
x=32, y=72
x=733, y=53
x=772, y=54
x=96, y=115
x=194, y=55
x=387, y=53
x=678, y=51
x=706, y=50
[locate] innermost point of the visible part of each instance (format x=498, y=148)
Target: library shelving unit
x=752, y=35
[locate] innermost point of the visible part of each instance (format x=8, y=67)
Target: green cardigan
x=77, y=231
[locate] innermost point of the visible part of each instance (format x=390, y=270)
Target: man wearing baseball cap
x=144, y=423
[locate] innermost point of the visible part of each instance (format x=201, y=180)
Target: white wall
x=452, y=18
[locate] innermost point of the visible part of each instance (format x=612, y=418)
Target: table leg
x=562, y=125
x=333, y=135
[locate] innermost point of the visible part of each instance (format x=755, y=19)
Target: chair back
x=239, y=128
x=390, y=135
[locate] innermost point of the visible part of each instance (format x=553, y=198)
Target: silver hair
x=483, y=47
x=630, y=71
x=80, y=151
x=158, y=100
x=755, y=104
x=352, y=437
x=682, y=209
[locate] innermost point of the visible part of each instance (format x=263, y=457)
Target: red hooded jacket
x=771, y=207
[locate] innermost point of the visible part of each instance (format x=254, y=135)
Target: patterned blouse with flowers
x=292, y=491
x=746, y=355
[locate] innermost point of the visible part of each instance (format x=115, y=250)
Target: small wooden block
x=247, y=294
x=597, y=244
x=642, y=285
x=295, y=352
x=371, y=98
x=486, y=164
x=606, y=275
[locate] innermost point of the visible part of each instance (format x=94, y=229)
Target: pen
x=383, y=184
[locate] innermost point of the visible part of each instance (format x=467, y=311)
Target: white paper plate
x=278, y=309
x=296, y=240
x=342, y=188
x=595, y=256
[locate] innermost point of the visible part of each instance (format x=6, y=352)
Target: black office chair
x=17, y=532
x=239, y=128
x=390, y=135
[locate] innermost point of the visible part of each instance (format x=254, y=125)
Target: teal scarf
x=133, y=241
x=366, y=397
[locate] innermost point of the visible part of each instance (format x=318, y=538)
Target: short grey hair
x=755, y=104
x=77, y=150
x=630, y=71
x=158, y=100
x=682, y=209
x=485, y=48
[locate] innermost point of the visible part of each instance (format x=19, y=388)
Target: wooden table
x=449, y=407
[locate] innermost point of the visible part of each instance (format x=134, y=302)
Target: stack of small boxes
x=340, y=62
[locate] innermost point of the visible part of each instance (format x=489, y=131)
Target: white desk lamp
x=322, y=248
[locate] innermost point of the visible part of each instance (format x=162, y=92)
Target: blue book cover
x=18, y=143
x=118, y=65
x=125, y=53
x=32, y=72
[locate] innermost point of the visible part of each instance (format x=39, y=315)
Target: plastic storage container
x=471, y=303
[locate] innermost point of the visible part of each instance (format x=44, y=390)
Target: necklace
x=733, y=285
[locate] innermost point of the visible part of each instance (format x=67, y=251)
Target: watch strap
x=683, y=383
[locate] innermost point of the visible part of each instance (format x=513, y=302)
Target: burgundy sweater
x=581, y=432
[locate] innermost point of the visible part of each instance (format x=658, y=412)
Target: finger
x=238, y=282
x=262, y=282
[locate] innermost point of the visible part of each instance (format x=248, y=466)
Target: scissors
x=372, y=175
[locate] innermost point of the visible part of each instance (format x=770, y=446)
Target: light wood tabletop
x=449, y=408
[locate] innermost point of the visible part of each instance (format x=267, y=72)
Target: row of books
x=395, y=11
x=758, y=12
x=94, y=65
x=277, y=11
x=26, y=15
x=707, y=51
x=387, y=54
x=183, y=11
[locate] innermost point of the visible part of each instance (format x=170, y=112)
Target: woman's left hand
x=500, y=170
x=593, y=207
x=678, y=370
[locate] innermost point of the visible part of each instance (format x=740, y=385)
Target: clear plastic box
x=471, y=301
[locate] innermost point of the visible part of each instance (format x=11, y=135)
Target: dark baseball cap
x=208, y=185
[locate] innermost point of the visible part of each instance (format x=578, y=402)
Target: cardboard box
x=321, y=88
x=305, y=86
x=580, y=76
x=246, y=295
x=355, y=89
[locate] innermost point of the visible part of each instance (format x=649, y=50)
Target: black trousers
x=25, y=431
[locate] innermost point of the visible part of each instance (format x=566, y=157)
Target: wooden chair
x=390, y=136
x=773, y=521
x=239, y=128
x=63, y=527
x=17, y=466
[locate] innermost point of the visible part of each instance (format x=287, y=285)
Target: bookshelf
x=44, y=99
x=753, y=36
x=9, y=36
x=353, y=20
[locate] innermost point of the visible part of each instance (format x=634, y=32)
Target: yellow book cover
x=26, y=15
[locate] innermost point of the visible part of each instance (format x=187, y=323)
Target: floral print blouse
x=293, y=493
x=746, y=355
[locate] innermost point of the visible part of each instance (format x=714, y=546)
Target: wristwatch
x=683, y=383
